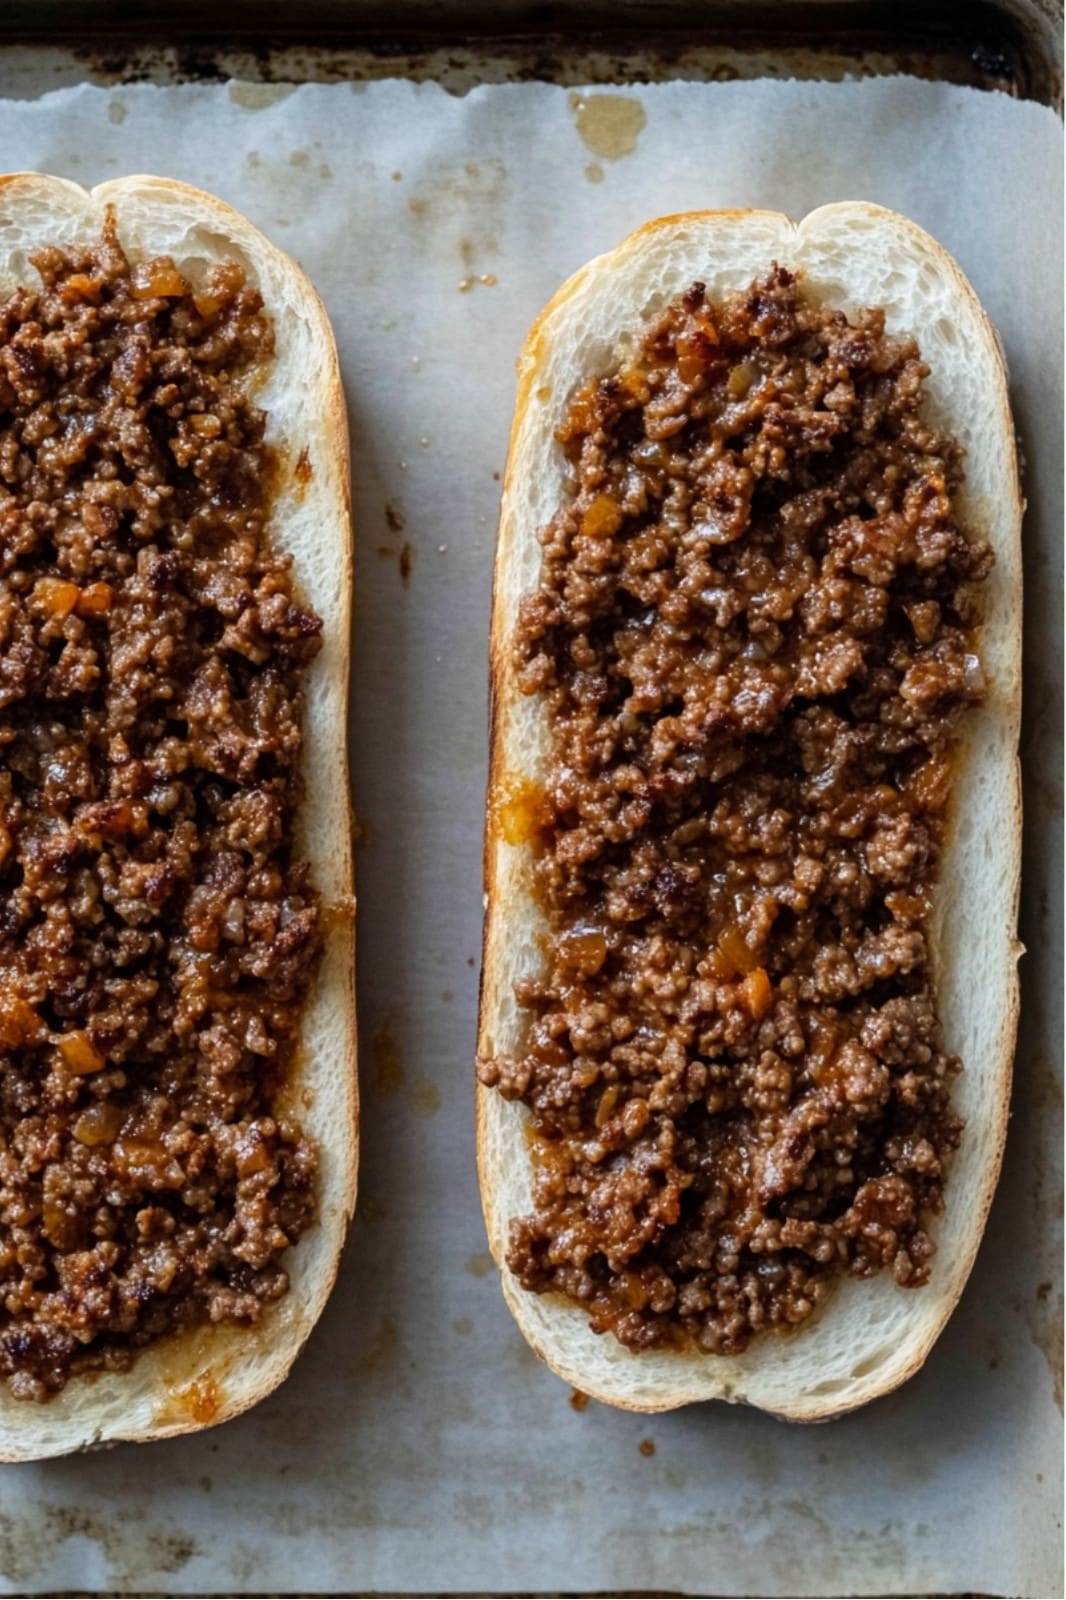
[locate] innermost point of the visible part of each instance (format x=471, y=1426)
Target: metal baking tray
x=1009, y=45
x=161, y=1520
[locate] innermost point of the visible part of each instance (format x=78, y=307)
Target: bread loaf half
x=870, y=1335
x=210, y=1374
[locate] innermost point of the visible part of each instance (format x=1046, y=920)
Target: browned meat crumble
x=754, y=636
x=157, y=937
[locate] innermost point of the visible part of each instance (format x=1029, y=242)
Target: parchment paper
x=418, y=1447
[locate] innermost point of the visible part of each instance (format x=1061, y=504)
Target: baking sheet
x=418, y=1447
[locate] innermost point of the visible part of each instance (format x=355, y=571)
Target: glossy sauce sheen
x=157, y=937
x=754, y=635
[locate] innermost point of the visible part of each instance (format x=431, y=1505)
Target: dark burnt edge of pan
x=515, y=1594
x=983, y=43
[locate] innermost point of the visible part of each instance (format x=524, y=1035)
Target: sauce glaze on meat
x=754, y=637
x=157, y=934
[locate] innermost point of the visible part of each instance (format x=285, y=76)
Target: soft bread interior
x=870, y=1335
x=213, y=1373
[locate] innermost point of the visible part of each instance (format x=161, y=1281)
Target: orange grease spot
x=521, y=810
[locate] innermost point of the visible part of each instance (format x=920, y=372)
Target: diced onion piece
x=251, y=1154
x=608, y=1100
x=757, y=992
x=930, y=784
x=94, y=600
x=741, y=378
x=18, y=1021
x=82, y=286
x=521, y=810
x=634, y=384
x=582, y=413
x=693, y=358
x=206, y=424
x=98, y=1124
x=736, y=950
x=80, y=1055
x=584, y=949
x=56, y=595
x=602, y=519
x=159, y=278
x=974, y=675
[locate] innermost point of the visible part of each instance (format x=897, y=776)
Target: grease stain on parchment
x=774, y=1530
x=371, y=1208
x=116, y=112
x=199, y=1400
x=594, y=172
x=384, y=1346
x=425, y=1099
x=1044, y=1316
x=481, y=1265
x=472, y=196
x=388, y=1068
x=257, y=96
x=469, y=200
x=468, y=252
x=609, y=124
x=384, y=1358
x=128, y=1548
x=387, y=1355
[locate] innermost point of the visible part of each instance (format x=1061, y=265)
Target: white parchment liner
x=418, y=1447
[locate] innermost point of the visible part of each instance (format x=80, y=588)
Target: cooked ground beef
x=157, y=937
x=754, y=637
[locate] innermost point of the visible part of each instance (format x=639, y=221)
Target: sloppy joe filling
x=754, y=638
x=157, y=932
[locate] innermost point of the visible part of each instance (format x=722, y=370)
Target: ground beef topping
x=157, y=935
x=754, y=637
